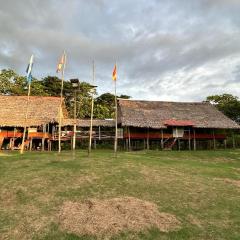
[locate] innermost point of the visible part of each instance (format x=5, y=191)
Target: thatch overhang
x=155, y=114
x=86, y=122
x=41, y=110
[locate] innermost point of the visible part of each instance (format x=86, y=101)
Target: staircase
x=170, y=143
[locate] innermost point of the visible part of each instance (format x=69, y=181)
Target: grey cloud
x=152, y=42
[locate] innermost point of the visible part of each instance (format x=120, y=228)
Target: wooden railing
x=167, y=136
x=11, y=134
x=39, y=135
x=66, y=135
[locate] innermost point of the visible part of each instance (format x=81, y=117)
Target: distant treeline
x=12, y=83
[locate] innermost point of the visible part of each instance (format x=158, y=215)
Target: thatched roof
x=86, y=122
x=41, y=110
x=156, y=114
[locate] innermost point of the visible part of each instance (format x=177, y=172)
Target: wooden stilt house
x=173, y=125
x=41, y=121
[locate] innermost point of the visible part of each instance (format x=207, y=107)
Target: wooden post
x=116, y=119
x=225, y=143
x=99, y=133
x=162, y=146
x=75, y=121
x=29, y=79
x=129, y=139
x=63, y=64
x=233, y=139
x=144, y=144
x=148, y=138
x=43, y=138
x=179, y=147
x=214, y=140
x=127, y=144
x=95, y=143
x=194, y=140
x=92, y=106
x=30, y=148
x=189, y=139
x=25, y=120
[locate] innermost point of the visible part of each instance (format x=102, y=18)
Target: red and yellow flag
x=114, y=74
x=61, y=63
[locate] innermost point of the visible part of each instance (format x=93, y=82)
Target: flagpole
x=60, y=106
x=116, y=128
x=25, y=120
x=91, y=121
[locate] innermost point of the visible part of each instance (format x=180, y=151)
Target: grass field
x=202, y=189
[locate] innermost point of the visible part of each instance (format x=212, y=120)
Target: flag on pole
x=29, y=70
x=61, y=63
x=114, y=74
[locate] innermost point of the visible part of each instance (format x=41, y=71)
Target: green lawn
x=202, y=189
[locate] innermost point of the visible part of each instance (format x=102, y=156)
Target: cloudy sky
x=178, y=50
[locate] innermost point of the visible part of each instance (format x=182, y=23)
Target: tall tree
x=228, y=104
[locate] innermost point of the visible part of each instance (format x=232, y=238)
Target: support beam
x=99, y=133
x=30, y=148
x=129, y=139
x=162, y=143
x=233, y=140
x=214, y=140
x=189, y=139
x=194, y=141
x=127, y=145
x=43, y=139
x=225, y=143
x=148, y=139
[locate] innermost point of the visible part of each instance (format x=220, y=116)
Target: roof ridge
x=25, y=96
x=159, y=101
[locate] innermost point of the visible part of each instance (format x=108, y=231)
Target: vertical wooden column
x=179, y=146
x=194, y=140
x=129, y=139
x=225, y=144
x=189, y=139
x=162, y=139
x=127, y=145
x=99, y=133
x=30, y=148
x=95, y=143
x=233, y=139
x=148, y=138
x=214, y=140
x=43, y=138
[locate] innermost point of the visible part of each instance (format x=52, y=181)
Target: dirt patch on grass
x=230, y=181
x=112, y=216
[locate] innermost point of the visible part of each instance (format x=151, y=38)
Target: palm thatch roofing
x=86, y=122
x=156, y=114
x=41, y=110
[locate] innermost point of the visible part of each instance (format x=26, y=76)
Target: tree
x=228, y=104
x=12, y=83
x=107, y=103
